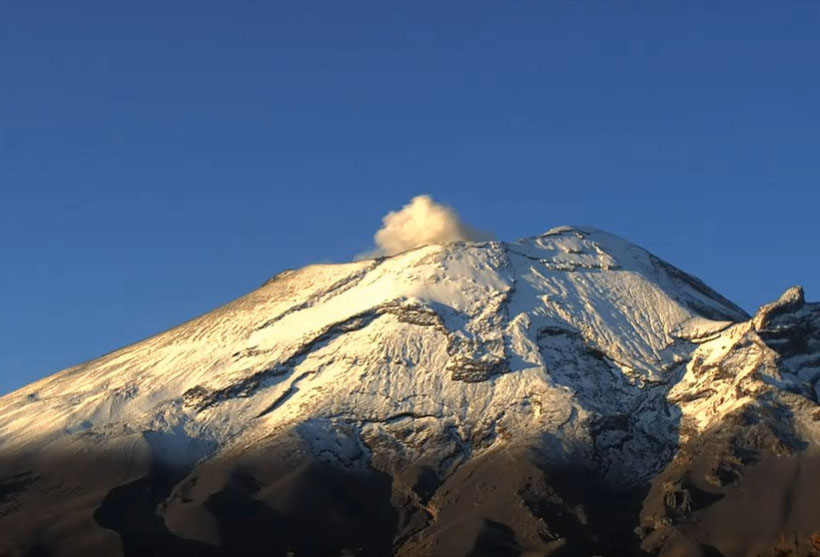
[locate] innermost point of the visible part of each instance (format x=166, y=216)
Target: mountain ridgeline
x=566, y=394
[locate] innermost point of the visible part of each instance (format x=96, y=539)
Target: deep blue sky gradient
x=160, y=158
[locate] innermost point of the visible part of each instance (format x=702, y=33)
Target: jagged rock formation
x=567, y=394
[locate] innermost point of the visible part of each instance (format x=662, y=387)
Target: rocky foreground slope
x=567, y=394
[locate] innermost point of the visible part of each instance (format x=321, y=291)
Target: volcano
x=564, y=394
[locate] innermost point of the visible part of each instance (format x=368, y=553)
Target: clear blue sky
x=160, y=158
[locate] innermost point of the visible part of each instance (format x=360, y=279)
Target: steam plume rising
x=420, y=222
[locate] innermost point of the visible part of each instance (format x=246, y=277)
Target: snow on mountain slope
x=365, y=331
x=575, y=342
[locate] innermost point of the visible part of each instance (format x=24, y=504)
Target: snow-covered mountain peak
x=575, y=343
x=390, y=335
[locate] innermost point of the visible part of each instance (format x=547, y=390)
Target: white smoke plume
x=421, y=222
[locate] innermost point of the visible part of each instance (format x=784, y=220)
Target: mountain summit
x=565, y=394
